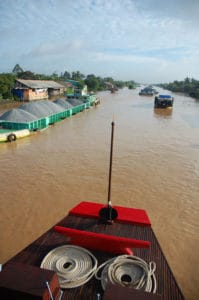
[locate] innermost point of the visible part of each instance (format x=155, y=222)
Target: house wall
x=84, y=90
x=29, y=94
x=37, y=94
x=55, y=92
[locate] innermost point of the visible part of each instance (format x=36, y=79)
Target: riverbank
x=8, y=104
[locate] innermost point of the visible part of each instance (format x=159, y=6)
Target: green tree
x=7, y=82
x=188, y=86
x=66, y=75
x=27, y=75
x=92, y=82
x=77, y=76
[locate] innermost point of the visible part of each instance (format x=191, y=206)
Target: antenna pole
x=108, y=214
x=110, y=165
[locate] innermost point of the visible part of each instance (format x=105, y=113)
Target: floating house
x=76, y=91
x=29, y=90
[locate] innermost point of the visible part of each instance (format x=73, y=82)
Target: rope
x=128, y=271
x=74, y=265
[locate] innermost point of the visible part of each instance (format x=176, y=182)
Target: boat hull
x=11, y=136
x=163, y=102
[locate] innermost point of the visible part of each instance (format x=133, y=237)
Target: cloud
x=49, y=49
x=181, y=10
x=96, y=34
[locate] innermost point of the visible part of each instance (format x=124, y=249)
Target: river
x=155, y=167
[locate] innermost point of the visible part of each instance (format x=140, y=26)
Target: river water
x=155, y=167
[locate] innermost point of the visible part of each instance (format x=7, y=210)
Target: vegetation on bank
x=94, y=83
x=188, y=86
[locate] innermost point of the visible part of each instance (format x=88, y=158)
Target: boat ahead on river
x=96, y=251
x=163, y=101
x=148, y=91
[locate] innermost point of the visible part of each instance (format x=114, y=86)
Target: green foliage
x=119, y=84
x=66, y=75
x=7, y=81
x=187, y=86
x=94, y=83
x=131, y=84
x=70, y=91
x=27, y=75
x=77, y=76
x=81, y=84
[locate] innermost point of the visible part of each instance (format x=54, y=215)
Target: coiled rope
x=74, y=265
x=128, y=271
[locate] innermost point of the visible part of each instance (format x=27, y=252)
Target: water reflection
x=163, y=113
x=19, y=144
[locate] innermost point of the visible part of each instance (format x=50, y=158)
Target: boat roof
x=164, y=96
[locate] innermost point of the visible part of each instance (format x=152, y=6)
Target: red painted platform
x=101, y=242
x=125, y=215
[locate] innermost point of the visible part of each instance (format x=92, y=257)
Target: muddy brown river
x=155, y=167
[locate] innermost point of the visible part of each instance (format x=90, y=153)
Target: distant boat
x=163, y=101
x=148, y=91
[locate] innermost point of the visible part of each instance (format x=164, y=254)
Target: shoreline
x=6, y=105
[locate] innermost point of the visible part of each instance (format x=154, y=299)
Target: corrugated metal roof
x=40, y=84
x=66, y=84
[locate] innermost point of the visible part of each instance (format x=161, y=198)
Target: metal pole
x=110, y=165
x=108, y=214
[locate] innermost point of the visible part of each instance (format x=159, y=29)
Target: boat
x=97, y=251
x=11, y=136
x=163, y=101
x=148, y=91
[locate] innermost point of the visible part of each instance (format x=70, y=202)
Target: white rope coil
x=128, y=271
x=74, y=265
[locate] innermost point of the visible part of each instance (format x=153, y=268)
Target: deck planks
x=35, y=252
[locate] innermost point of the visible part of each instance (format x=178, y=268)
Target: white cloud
x=91, y=35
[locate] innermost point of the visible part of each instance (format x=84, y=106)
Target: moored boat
x=11, y=136
x=163, y=101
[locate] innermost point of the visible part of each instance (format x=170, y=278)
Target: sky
x=149, y=41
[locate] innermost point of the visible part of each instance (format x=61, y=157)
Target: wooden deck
x=35, y=252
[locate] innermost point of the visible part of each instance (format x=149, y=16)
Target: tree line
x=188, y=86
x=93, y=82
